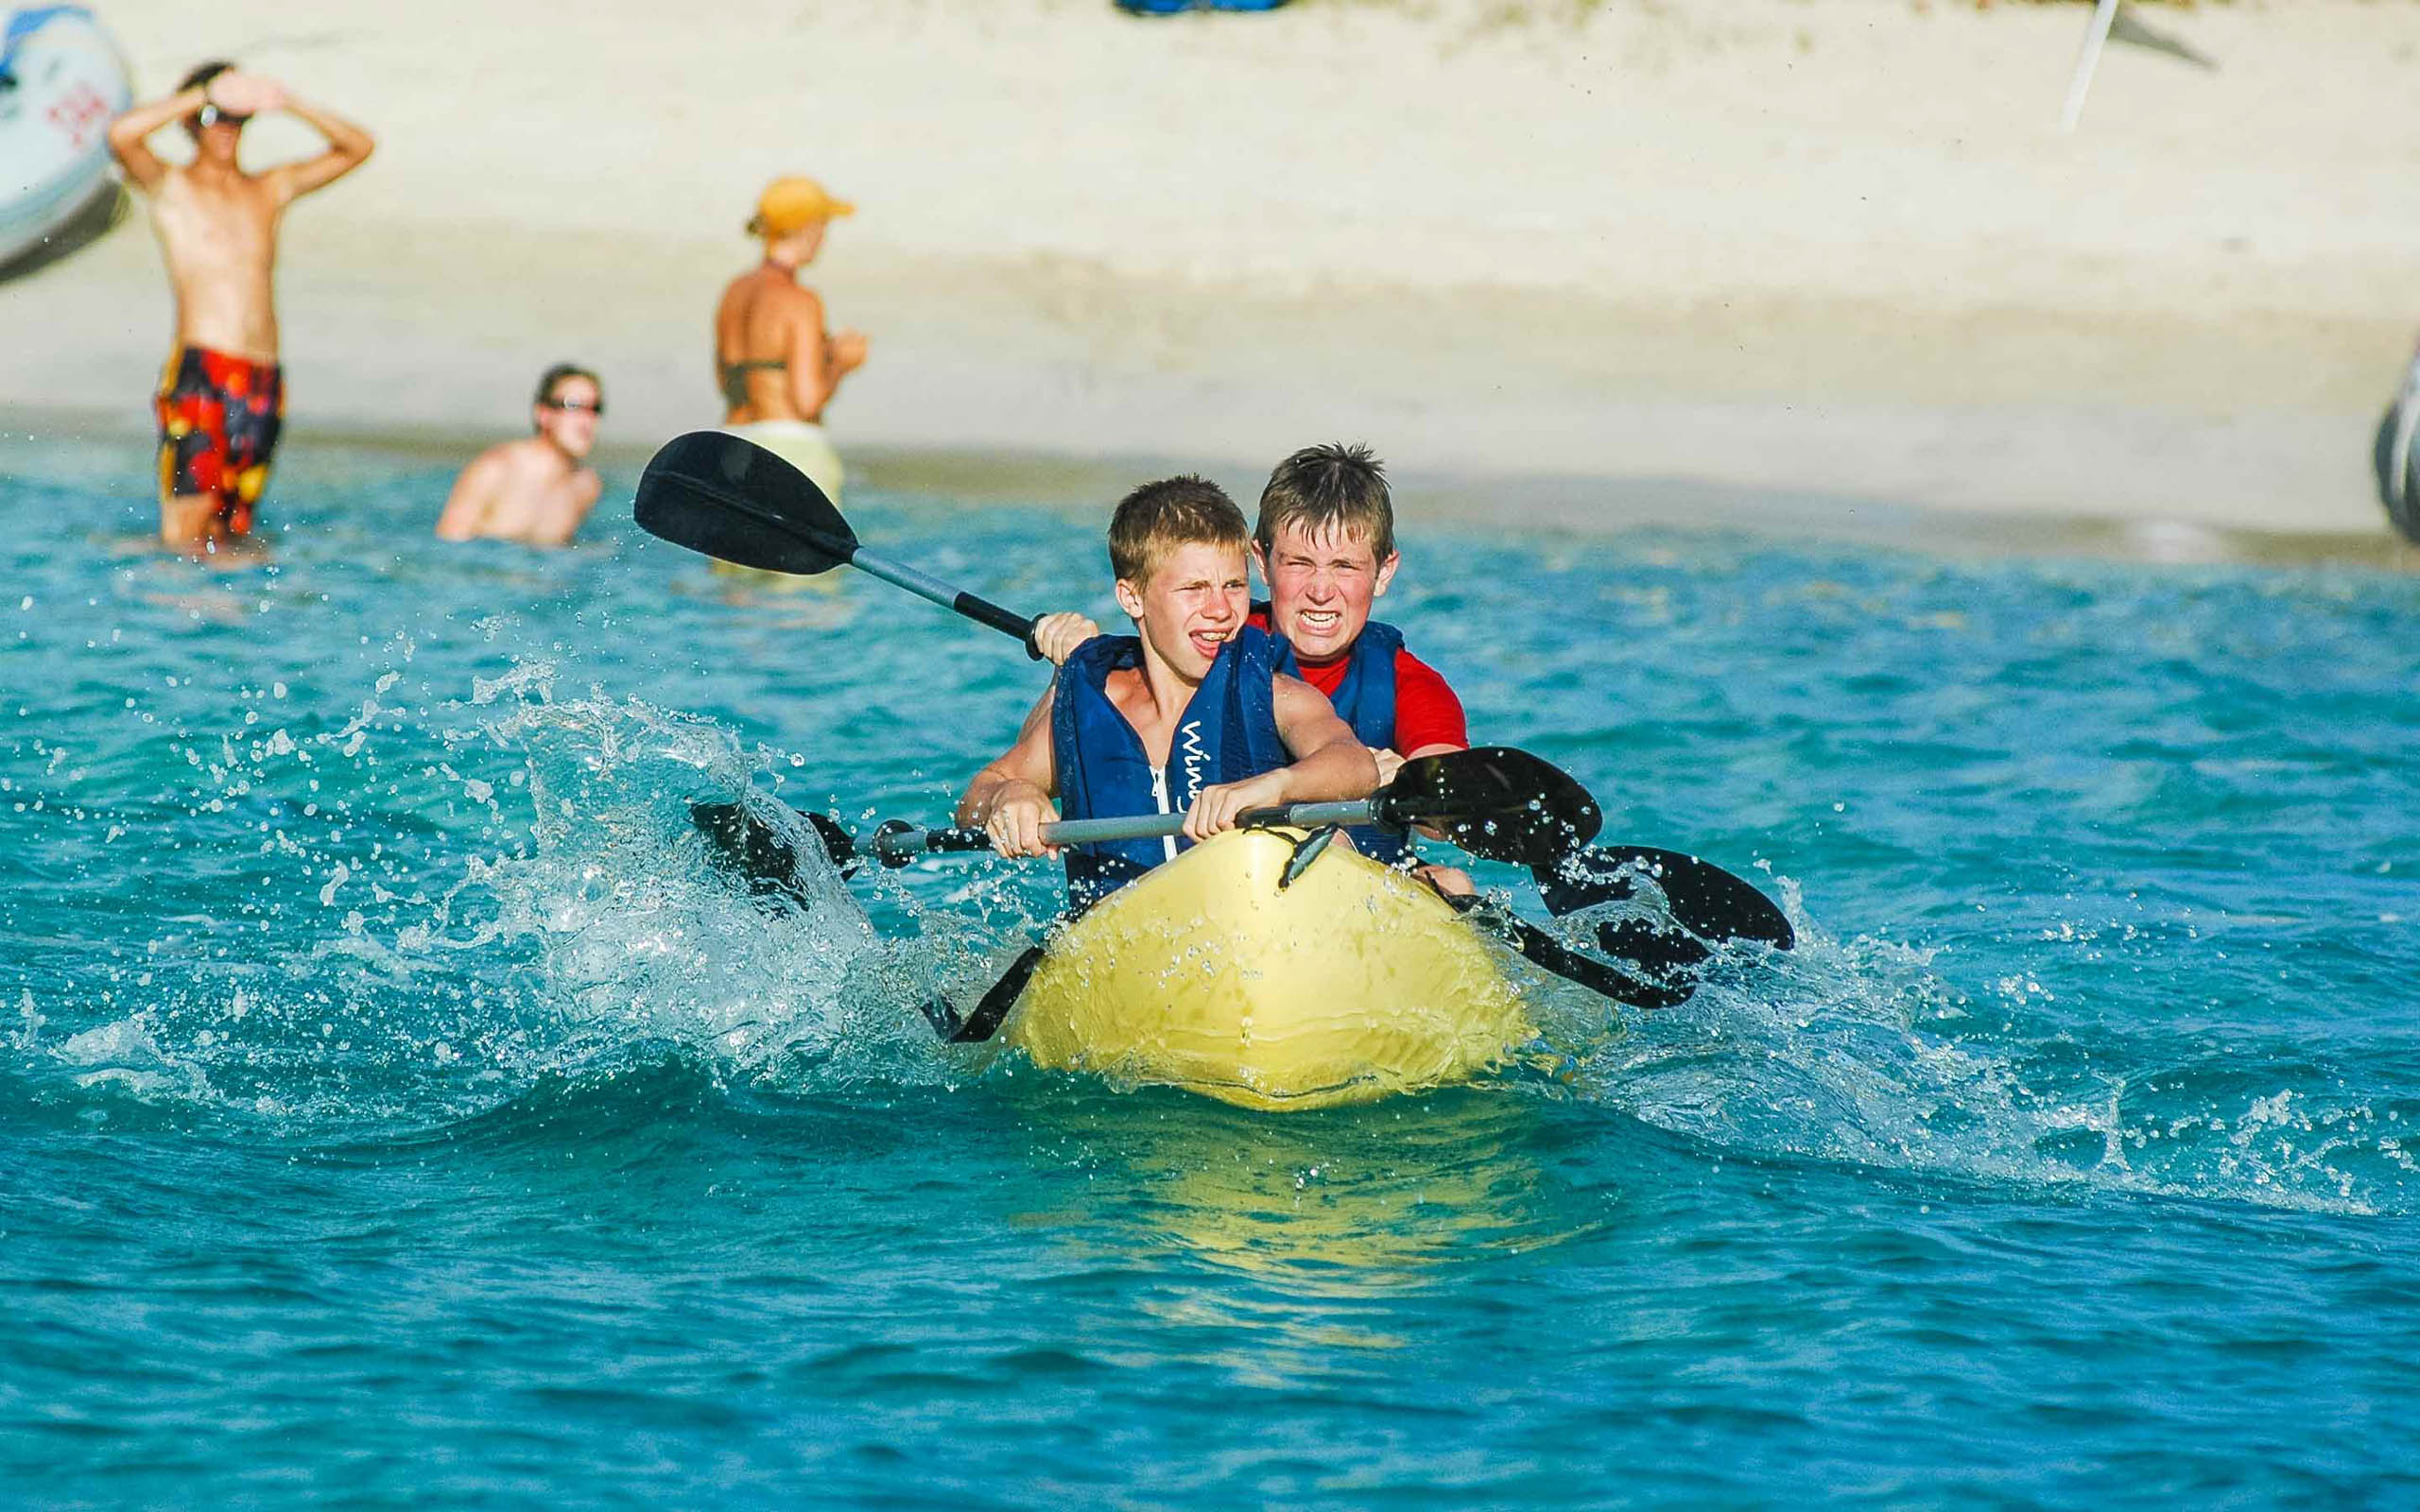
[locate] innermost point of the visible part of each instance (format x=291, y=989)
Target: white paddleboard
x=68, y=84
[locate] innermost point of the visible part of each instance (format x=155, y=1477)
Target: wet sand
x=1765, y=260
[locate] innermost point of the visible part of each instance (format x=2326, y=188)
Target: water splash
x=446, y=906
x=447, y=912
x=641, y=937
x=1860, y=1051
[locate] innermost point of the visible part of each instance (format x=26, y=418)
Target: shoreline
x=1577, y=506
x=1815, y=250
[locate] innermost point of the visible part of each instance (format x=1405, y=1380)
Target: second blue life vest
x=1227, y=733
x=1366, y=701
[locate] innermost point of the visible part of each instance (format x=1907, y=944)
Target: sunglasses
x=576, y=406
x=211, y=116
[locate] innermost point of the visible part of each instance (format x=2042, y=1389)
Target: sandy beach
x=1819, y=250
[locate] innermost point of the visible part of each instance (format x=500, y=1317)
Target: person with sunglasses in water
x=222, y=396
x=1326, y=545
x=537, y=489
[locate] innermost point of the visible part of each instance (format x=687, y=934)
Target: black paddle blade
x=1495, y=802
x=750, y=847
x=1709, y=903
x=714, y=493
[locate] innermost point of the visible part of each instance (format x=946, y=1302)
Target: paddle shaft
x=728, y=497
x=926, y=586
x=1496, y=802
x=897, y=847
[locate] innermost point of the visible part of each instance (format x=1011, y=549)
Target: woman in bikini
x=777, y=366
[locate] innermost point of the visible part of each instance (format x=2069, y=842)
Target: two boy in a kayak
x=1207, y=711
x=1189, y=714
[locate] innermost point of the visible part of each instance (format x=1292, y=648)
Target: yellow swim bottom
x=804, y=446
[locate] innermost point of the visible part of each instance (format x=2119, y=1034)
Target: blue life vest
x=1366, y=701
x=1228, y=733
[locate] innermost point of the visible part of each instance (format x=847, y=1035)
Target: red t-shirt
x=1426, y=711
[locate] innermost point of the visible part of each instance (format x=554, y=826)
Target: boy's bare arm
x=1010, y=798
x=1330, y=761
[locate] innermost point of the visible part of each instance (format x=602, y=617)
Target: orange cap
x=791, y=204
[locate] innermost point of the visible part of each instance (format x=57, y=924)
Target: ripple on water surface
x=395, y=1087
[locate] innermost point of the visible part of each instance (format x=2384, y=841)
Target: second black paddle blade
x=1495, y=802
x=1705, y=901
x=1709, y=908
x=717, y=493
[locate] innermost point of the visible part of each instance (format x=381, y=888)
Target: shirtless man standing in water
x=222, y=396
x=776, y=365
x=535, y=491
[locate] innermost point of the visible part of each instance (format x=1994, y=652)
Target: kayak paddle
x=731, y=499
x=1494, y=802
x=1497, y=802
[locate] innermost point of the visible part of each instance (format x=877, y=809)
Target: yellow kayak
x=1350, y=984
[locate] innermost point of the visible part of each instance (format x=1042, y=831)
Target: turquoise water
x=394, y=1105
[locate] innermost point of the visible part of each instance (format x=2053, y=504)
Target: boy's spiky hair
x=1333, y=487
x=1159, y=517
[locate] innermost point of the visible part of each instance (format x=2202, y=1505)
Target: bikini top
x=735, y=377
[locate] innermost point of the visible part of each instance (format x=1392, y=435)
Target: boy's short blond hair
x=1157, y=518
x=1334, y=487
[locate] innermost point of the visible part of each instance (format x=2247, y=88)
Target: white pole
x=2103, y=15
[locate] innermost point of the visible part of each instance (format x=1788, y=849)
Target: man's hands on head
x=237, y=92
x=1056, y=635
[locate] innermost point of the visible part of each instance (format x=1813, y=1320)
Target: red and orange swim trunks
x=219, y=417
